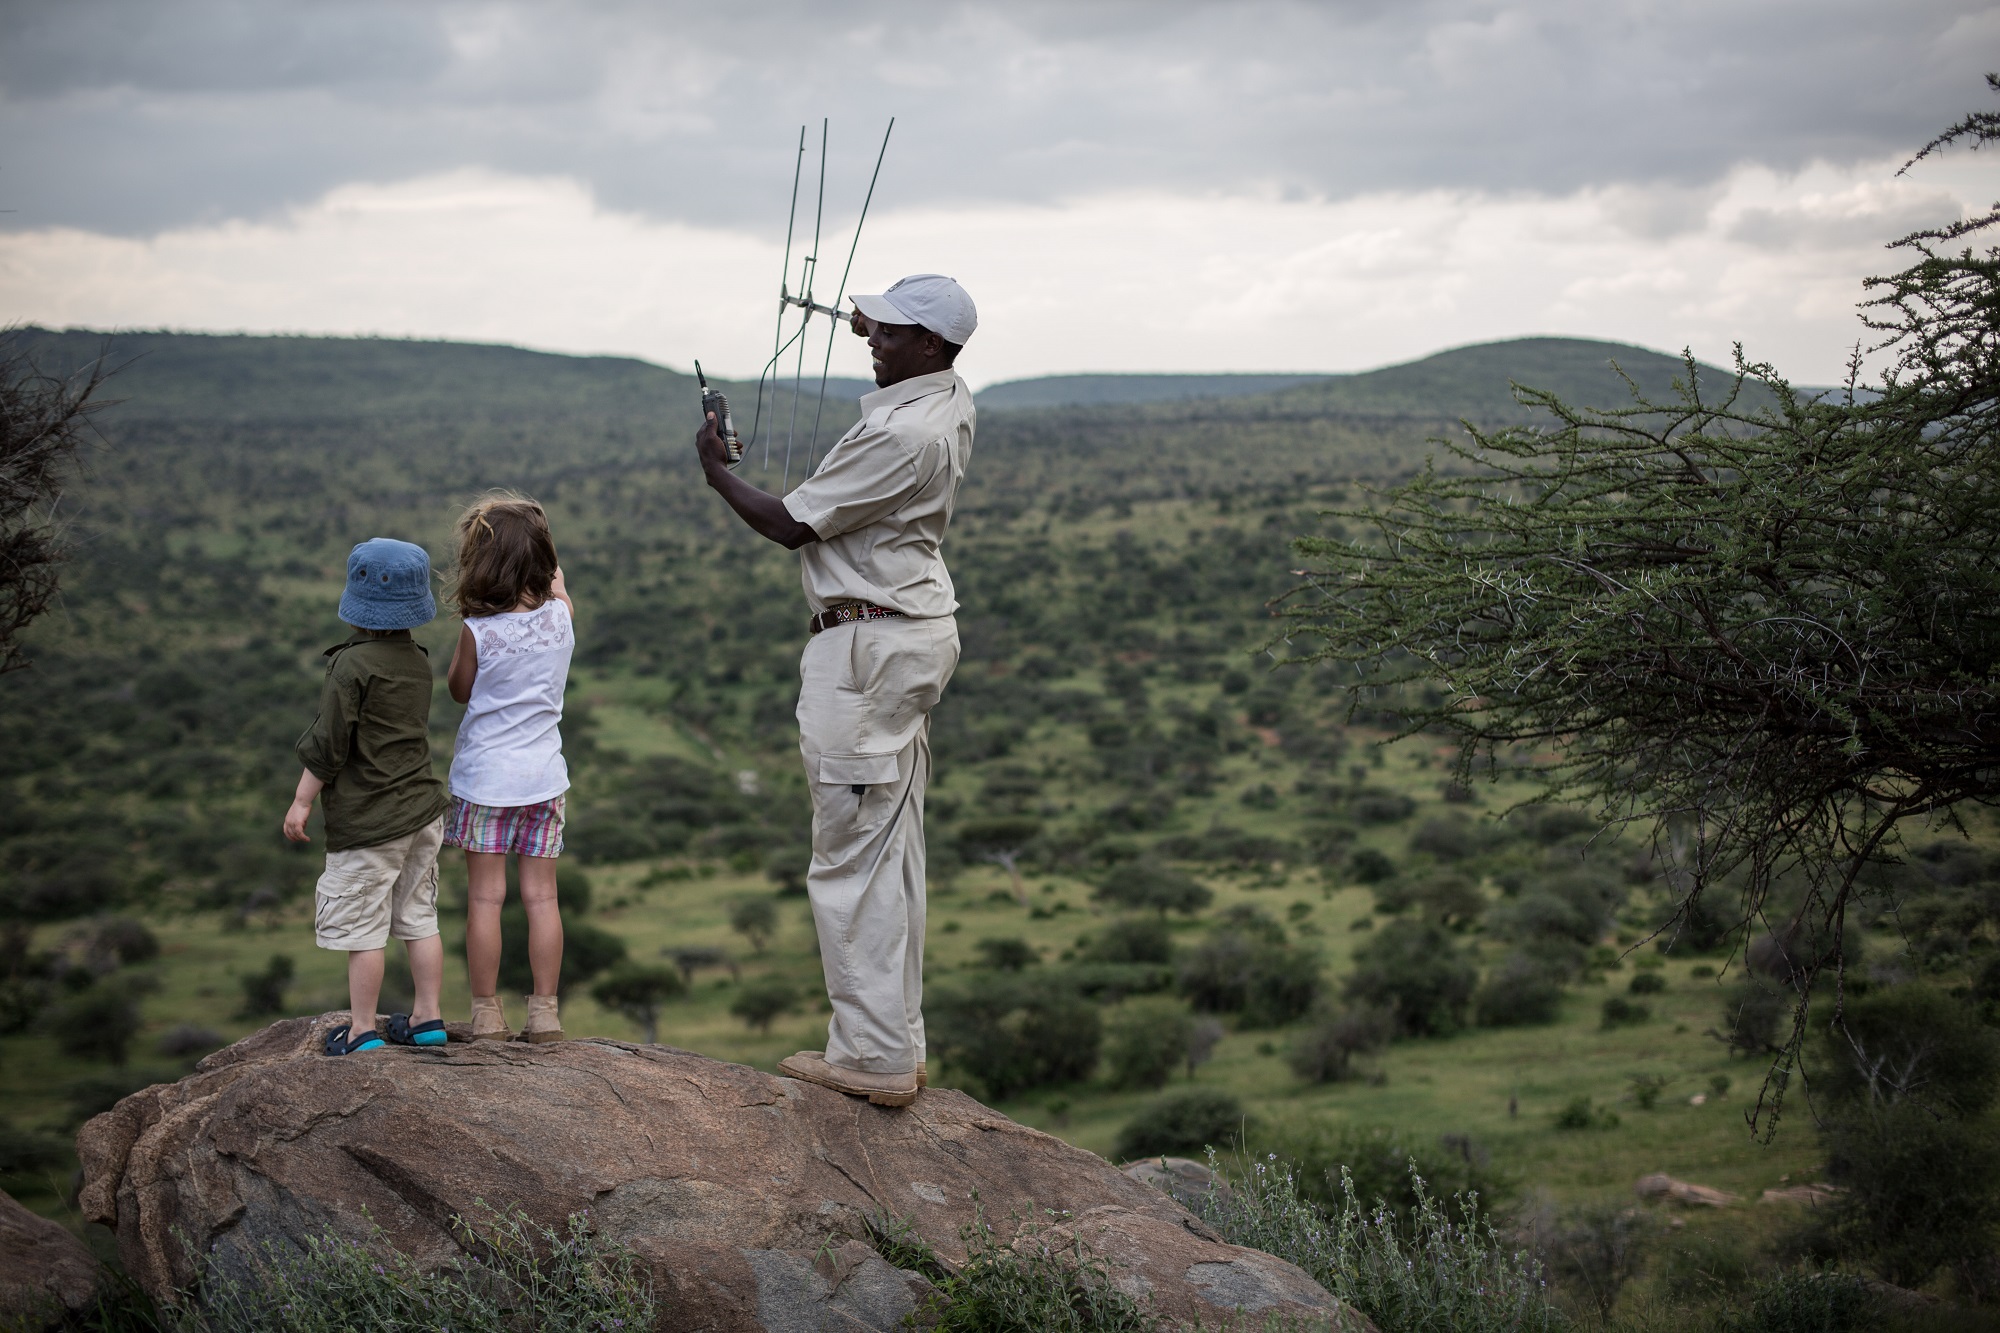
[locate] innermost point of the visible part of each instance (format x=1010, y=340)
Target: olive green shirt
x=371, y=742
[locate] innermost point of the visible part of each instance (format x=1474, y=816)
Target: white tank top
x=509, y=745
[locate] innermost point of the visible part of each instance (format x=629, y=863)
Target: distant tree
x=760, y=1002
x=45, y=419
x=99, y=1023
x=1759, y=622
x=1007, y=955
x=695, y=957
x=1908, y=1084
x=1324, y=1052
x=1010, y=1033
x=1145, y=1041
x=756, y=919
x=1146, y=883
x=1204, y=1034
x=1137, y=939
x=787, y=867
x=1183, y=1122
x=637, y=991
x=264, y=992
x=1001, y=842
x=1417, y=972
x=587, y=951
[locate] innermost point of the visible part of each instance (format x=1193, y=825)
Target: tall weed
x=1445, y=1272
x=519, y=1277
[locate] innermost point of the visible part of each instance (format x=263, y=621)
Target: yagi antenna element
x=807, y=305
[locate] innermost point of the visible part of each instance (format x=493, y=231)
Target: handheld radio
x=713, y=401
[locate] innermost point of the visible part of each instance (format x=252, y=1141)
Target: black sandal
x=400, y=1032
x=338, y=1041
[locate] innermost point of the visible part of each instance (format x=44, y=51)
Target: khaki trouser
x=866, y=691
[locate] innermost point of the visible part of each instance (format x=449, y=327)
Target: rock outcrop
x=746, y=1194
x=45, y=1272
x=1660, y=1185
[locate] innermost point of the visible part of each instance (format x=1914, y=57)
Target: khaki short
x=369, y=895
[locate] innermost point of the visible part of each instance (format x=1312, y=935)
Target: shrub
x=1009, y=1034
x=1619, y=1012
x=1132, y=940
x=1647, y=983
x=587, y=951
x=787, y=868
x=573, y=889
x=264, y=992
x=1267, y=983
x=760, y=1002
x=1582, y=1113
x=1521, y=991
x=1451, y=898
x=117, y=941
x=755, y=919
x=1369, y=866
x=637, y=991
x=1381, y=1164
x=1702, y=927
x=184, y=1039
x=24, y=1153
x=1753, y=1016
x=1806, y=1302
x=1597, y=1249
x=1324, y=1052
x=1647, y=1088
x=1040, y=1279
x=520, y=1276
x=1438, y=1272
x=1381, y=807
x=1145, y=1041
x=1148, y=884
x=1182, y=1122
x=1417, y=972
x=1543, y=916
x=1907, y=1088
x=1007, y=955
x=99, y=1023
x=1451, y=838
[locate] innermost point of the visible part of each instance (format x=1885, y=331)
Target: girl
x=508, y=776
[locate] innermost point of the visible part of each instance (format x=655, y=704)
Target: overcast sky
x=1122, y=186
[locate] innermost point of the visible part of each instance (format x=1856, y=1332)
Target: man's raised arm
x=764, y=512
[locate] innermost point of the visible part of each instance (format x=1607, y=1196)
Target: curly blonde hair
x=506, y=555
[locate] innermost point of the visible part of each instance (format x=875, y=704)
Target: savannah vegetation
x=1184, y=895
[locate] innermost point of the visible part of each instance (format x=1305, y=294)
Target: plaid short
x=529, y=830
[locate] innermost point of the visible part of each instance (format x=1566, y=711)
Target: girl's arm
x=302, y=805
x=464, y=667
x=561, y=593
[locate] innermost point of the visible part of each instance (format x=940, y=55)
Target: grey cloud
x=132, y=117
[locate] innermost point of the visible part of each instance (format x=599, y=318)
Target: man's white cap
x=930, y=299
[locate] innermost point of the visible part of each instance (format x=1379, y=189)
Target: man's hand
x=763, y=512
x=708, y=446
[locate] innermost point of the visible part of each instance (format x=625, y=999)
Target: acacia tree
x=1764, y=625
x=44, y=421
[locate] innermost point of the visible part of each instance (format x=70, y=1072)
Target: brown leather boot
x=923, y=1075
x=881, y=1089
x=489, y=1020
x=543, y=1023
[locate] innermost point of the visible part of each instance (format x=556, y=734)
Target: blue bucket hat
x=388, y=586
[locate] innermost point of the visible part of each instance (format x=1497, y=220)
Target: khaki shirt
x=371, y=744
x=882, y=498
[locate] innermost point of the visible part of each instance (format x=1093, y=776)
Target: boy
x=368, y=757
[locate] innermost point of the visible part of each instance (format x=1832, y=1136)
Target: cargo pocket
x=854, y=797
x=334, y=907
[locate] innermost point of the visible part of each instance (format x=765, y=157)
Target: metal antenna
x=807, y=272
x=784, y=273
x=841, y=292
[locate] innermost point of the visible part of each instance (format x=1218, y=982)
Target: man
x=868, y=526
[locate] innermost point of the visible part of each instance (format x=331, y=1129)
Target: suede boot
x=543, y=1024
x=489, y=1020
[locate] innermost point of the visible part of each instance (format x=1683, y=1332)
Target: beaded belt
x=846, y=615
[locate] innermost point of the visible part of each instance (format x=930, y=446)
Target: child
x=367, y=756
x=508, y=776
